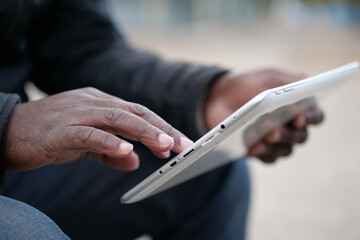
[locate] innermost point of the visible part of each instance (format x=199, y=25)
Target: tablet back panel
x=262, y=114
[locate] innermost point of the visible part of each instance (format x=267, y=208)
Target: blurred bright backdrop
x=315, y=193
x=184, y=13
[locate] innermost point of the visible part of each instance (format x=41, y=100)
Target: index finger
x=181, y=142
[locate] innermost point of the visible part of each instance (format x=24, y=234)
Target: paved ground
x=315, y=193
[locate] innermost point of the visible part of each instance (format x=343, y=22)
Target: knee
x=234, y=192
x=21, y=221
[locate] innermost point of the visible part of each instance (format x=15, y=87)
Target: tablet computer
x=262, y=114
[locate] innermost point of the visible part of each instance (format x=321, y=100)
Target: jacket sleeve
x=74, y=45
x=7, y=104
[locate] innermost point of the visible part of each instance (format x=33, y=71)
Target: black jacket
x=66, y=44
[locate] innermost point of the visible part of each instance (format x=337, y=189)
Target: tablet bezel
x=267, y=101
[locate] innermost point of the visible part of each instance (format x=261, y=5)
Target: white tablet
x=262, y=114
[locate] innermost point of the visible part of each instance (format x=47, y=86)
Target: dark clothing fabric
x=66, y=44
x=38, y=226
x=7, y=103
x=83, y=198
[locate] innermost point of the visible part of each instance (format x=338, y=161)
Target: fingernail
x=165, y=140
x=258, y=149
x=185, y=142
x=165, y=154
x=274, y=137
x=300, y=122
x=138, y=162
x=125, y=147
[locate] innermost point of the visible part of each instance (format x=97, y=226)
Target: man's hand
x=233, y=90
x=84, y=123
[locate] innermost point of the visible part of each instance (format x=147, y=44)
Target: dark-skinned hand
x=84, y=123
x=233, y=90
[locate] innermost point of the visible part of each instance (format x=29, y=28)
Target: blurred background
x=187, y=13
x=315, y=193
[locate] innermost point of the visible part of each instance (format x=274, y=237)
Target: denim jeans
x=21, y=221
x=83, y=198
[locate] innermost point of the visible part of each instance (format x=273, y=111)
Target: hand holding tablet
x=233, y=90
x=279, y=105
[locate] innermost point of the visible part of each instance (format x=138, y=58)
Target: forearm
x=173, y=90
x=86, y=50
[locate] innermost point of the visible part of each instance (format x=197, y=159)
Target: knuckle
x=139, y=110
x=83, y=137
x=291, y=137
x=170, y=129
x=144, y=130
x=288, y=136
x=115, y=116
x=90, y=89
x=286, y=151
x=289, y=152
x=106, y=142
x=303, y=137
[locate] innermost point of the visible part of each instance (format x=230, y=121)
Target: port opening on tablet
x=187, y=154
